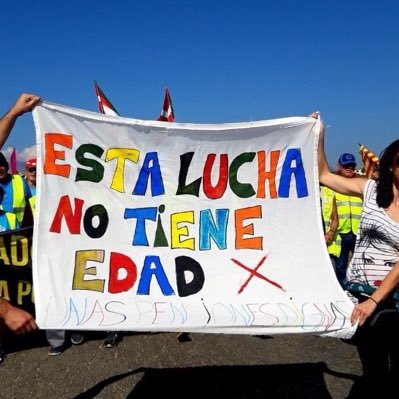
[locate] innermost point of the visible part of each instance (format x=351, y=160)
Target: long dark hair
x=385, y=172
x=372, y=236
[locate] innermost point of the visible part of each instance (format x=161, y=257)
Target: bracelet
x=373, y=300
x=332, y=231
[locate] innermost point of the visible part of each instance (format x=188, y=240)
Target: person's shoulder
x=17, y=177
x=370, y=189
x=371, y=184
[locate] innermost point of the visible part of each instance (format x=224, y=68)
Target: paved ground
x=158, y=366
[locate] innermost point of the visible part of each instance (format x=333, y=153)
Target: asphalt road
x=158, y=366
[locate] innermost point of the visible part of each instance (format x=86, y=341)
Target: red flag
x=167, y=114
x=370, y=161
x=104, y=104
x=13, y=162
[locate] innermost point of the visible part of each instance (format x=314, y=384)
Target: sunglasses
x=350, y=166
x=31, y=170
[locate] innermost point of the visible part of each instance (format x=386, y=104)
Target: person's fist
x=25, y=103
x=19, y=321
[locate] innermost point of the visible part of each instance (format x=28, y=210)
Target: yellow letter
x=176, y=232
x=3, y=252
x=24, y=259
x=121, y=154
x=4, y=293
x=24, y=289
x=82, y=257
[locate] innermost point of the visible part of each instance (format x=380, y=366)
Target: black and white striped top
x=377, y=242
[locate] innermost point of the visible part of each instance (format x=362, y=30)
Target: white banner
x=154, y=226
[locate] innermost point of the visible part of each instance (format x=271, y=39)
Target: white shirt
x=377, y=242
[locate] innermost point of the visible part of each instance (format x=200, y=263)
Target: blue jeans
x=348, y=241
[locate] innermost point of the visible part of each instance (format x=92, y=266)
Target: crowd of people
x=361, y=220
x=17, y=207
x=15, y=319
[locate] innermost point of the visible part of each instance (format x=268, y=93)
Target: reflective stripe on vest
x=349, y=213
x=12, y=220
x=8, y=221
x=18, y=197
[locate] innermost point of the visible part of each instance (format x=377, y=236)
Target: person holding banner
x=14, y=186
x=25, y=103
x=17, y=320
x=16, y=190
x=373, y=274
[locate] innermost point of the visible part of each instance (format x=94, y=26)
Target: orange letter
x=254, y=212
x=50, y=167
x=270, y=175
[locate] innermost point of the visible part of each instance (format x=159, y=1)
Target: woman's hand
x=362, y=311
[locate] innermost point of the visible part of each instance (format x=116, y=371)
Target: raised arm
x=343, y=185
x=24, y=104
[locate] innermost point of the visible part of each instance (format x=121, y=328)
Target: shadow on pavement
x=277, y=381
x=17, y=343
x=37, y=339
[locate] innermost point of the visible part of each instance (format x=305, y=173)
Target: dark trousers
x=378, y=346
x=377, y=342
x=348, y=241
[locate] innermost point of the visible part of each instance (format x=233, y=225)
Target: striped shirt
x=377, y=242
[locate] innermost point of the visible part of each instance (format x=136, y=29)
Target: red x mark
x=254, y=272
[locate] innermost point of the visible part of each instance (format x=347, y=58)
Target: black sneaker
x=77, y=338
x=56, y=350
x=113, y=338
x=184, y=337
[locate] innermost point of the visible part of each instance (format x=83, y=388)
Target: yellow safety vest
x=32, y=203
x=327, y=201
x=349, y=213
x=18, y=197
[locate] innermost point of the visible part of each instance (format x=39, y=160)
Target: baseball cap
x=31, y=163
x=347, y=159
